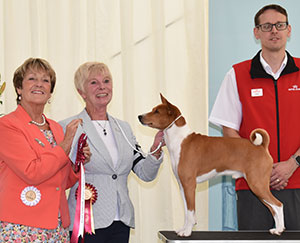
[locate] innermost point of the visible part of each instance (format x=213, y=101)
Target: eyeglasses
x=267, y=27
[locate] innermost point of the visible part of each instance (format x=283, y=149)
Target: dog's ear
x=171, y=108
x=166, y=102
x=163, y=99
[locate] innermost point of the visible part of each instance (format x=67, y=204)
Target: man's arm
x=230, y=132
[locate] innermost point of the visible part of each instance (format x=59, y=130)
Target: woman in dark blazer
x=112, y=157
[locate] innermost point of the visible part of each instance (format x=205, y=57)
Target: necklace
x=39, y=124
x=104, y=130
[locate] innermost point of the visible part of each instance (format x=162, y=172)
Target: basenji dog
x=196, y=158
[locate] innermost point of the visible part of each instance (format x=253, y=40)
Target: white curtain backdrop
x=150, y=46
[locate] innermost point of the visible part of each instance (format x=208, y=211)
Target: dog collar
x=172, y=123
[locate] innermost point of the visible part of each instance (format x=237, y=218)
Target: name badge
x=256, y=92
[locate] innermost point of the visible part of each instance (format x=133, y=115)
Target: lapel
x=94, y=139
x=37, y=138
x=56, y=131
x=119, y=138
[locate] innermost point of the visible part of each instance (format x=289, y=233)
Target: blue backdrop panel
x=231, y=40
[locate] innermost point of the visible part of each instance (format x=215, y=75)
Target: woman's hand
x=71, y=129
x=87, y=153
x=159, y=138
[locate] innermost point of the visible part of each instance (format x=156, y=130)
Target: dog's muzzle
x=140, y=117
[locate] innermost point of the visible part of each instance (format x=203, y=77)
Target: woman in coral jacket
x=35, y=169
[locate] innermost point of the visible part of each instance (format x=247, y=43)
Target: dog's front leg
x=189, y=210
x=184, y=206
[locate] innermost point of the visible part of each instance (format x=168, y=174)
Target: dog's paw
x=184, y=232
x=276, y=231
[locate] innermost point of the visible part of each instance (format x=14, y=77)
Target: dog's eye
x=156, y=111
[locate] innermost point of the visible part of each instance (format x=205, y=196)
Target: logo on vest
x=256, y=92
x=294, y=88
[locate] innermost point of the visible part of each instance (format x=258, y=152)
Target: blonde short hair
x=84, y=71
x=34, y=64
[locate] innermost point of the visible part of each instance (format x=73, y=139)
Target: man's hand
x=281, y=173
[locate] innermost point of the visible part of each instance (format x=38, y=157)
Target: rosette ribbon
x=90, y=197
x=78, y=227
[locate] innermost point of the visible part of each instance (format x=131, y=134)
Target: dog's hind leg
x=277, y=212
x=273, y=204
x=188, y=187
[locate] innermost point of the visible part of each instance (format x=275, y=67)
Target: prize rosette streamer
x=78, y=228
x=90, y=197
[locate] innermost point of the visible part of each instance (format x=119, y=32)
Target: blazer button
x=114, y=176
x=57, y=188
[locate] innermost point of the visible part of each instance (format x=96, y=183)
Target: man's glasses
x=267, y=27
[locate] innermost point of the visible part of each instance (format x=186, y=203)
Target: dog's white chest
x=173, y=138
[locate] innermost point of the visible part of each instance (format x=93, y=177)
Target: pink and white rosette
x=78, y=227
x=90, y=196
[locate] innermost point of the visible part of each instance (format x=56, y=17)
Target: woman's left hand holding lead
x=158, y=141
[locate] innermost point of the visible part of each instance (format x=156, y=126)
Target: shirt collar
x=268, y=69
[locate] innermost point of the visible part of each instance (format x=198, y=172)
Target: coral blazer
x=33, y=175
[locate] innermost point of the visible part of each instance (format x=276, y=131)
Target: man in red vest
x=265, y=93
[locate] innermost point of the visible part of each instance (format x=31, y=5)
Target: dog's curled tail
x=260, y=136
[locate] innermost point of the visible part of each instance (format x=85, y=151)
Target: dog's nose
x=140, y=118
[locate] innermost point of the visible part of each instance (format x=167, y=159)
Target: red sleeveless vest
x=273, y=105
